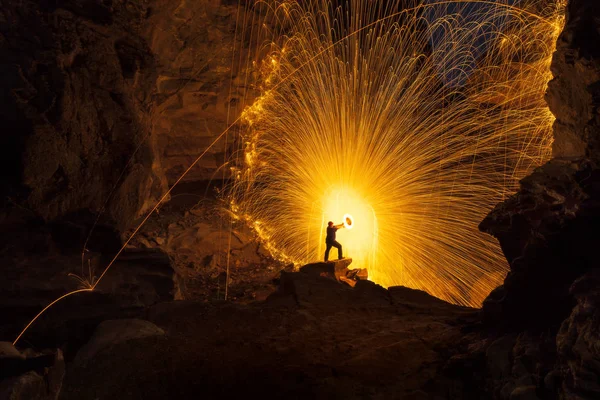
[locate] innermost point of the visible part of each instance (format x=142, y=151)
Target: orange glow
x=414, y=119
x=360, y=239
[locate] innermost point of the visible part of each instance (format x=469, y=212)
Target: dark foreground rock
x=326, y=340
x=549, y=234
x=577, y=342
x=138, y=279
x=547, y=311
x=112, y=332
x=30, y=375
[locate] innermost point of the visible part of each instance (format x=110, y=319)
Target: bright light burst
x=415, y=118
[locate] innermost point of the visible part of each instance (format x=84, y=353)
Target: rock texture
x=209, y=252
x=577, y=342
x=549, y=232
x=200, y=86
x=109, y=99
x=139, y=279
x=112, y=332
x=30, y=375
x=339, y=343
x=78, y=81
x=573, y=93
x=549, y=229
x=106, y=100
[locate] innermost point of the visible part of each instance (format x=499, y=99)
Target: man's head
x=330, y=223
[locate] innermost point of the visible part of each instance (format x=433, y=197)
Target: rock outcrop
x=550, y=234
x=337, y=269
x=30, y=375
x=573, y=93
x=577, y=342
x=338, y=343
x=112, y=332
x=549, y=229
x=78, y=81
x=201, y=64
x=108, y=100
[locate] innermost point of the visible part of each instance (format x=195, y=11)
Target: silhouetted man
x=330, y=240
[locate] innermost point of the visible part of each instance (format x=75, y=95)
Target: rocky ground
x=181, y=253
x=322, y=332
x=386, y=347
x=195, y=230
x=314, y=338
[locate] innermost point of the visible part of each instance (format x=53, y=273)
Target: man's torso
x=330, y=234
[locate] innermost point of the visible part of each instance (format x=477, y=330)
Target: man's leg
x=339, y=247
x=327, y=251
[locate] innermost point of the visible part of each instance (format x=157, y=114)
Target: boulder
x=337, y=270
x=541, y=228
x=331, y=269
x=29, y=386
x=9, y=351
x=30, y=375
x=318, y=284
x=528, y=392
x=308, y=289
x=548, y=231
x=577, y=342
x=112, y=332
x=139, y=278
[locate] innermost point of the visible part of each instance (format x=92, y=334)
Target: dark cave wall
x=573, y=96
x=202, y=67
x=550, y=230
x=77, y=85
x=114, y=99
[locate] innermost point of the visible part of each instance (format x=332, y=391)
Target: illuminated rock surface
x=200, y=81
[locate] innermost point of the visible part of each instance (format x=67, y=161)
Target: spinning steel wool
x=416, y=118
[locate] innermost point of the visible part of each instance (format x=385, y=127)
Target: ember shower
x=416, y=118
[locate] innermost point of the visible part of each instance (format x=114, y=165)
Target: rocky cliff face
x=573, y=95
x=105, y=100
x=549, y=229
x=77, y=82
x=201, y=50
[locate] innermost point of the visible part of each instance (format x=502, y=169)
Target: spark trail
x=416, y=118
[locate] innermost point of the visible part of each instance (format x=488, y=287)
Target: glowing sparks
x=414, y=119
x=348, y=221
